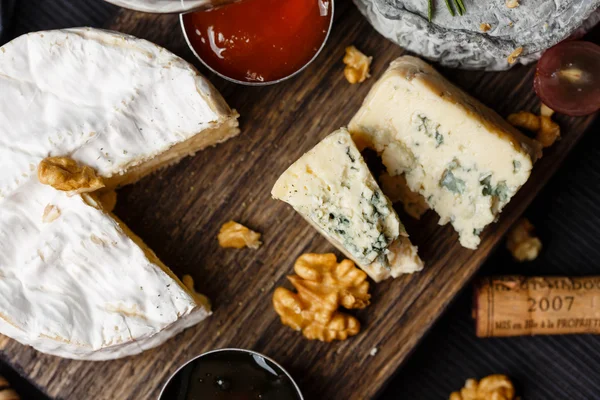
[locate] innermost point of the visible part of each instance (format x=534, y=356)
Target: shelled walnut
x=547, y=131
x=516, y=53
x=493, y=387
x=521, y=242
x=65, y=174
x=322, y=285
x=6, y=393
x=357, y=65
x=525, y=120
x=236, y=235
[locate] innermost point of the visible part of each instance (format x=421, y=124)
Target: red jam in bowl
x=259, y=40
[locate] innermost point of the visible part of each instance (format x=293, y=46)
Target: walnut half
x=547, y=131
x=323, y=285
x=65, y=174
x=493, y=387
x=237, y=236
x=521, y=242
x=357, y=65
x=51, y=213
x=516, y=53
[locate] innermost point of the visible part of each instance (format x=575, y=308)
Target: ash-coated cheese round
x=459, y=41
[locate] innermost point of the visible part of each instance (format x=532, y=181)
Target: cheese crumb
x=51, y=213
x=237, y=236
x=357, y=65
x=95, y=239
x=521, y=242
x=373, y=351
x=512, y=58
x=485, y=27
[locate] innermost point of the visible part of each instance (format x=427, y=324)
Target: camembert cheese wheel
x=74, y=281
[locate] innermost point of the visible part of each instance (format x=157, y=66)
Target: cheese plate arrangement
x=125, y=169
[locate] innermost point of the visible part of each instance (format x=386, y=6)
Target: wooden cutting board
x=179, y=210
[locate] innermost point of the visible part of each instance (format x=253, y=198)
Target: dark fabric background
x=566, y=215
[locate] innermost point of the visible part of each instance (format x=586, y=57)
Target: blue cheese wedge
x=333, y=189
x=463, y=158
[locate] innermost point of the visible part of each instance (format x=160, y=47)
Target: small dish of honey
x=259, y=42
x=231, y=374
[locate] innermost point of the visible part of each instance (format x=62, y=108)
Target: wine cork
x=517, y=305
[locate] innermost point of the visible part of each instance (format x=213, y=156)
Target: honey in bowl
x=231, y=374
x=259, y=41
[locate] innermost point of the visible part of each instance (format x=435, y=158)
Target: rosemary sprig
x=450, y=7
x=459, y=4
x=458, y=9
x=430, y=10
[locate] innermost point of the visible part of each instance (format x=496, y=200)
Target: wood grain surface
x=179, y=210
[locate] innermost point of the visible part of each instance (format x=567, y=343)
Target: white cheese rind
x=76, y=285
x=464, y=159
x=332, y=187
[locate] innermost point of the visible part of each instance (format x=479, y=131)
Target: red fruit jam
x=259, y=40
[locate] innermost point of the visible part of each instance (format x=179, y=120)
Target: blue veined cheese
x=464, y=159
x=333, y=189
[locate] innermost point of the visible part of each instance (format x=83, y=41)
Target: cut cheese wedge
x=462, y=157
x=75, y=281
x=333, y=189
